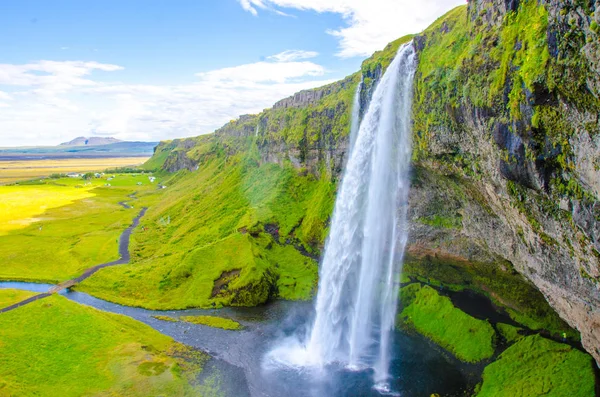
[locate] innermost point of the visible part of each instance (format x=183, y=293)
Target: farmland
x=14, y=170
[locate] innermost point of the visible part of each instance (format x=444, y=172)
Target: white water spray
x=359, y=277
x=355, y=122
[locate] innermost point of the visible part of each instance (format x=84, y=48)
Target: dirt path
x=123, y=254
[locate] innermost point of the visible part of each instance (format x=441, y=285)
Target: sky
x=151, y=70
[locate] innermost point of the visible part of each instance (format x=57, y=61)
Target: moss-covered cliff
x=506, y=177
x=507, y=99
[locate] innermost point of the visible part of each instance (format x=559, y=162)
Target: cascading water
x=359, y=277
x=355, y=122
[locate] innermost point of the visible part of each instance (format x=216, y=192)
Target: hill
x=92, y=141
x=117, y=149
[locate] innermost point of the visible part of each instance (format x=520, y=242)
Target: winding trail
x=124, y=258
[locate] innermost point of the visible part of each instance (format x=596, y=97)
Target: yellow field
x=20, y=204
x=18, y=170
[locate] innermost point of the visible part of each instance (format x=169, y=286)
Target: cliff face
x=507, y=96
x=506, y=154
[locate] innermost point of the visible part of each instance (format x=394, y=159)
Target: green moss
x=535, y=366
x=166, y=318
x=498, y=281
x=439, y=221
x=212, y=321
x=435, y=317
x=509, y=332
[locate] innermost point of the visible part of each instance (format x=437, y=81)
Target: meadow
x=55, y=347
x=54, y=230
x=235, y=235
x=17, y=170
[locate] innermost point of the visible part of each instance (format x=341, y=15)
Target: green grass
x=20, y=205
x=213, y=321
x=435, y=317
x=55, y=347
x=69, y=239
x=11, y=296
x=535, y=366
x=509, y=332
x=166, y=318
x=232, y=215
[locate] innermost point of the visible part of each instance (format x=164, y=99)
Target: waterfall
x=359, y=276
x=355, y=121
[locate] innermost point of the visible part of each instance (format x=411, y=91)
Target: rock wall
x=529, y=146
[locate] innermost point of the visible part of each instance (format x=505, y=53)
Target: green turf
x=11, y=296
x=69, y=239
x=55, y=347
x=434, y=316
x=535, y=366
x=213, y=321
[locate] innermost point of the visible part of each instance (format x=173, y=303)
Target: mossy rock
x=435, y=317
x=536, y=366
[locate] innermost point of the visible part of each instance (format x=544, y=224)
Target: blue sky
x=151, y=70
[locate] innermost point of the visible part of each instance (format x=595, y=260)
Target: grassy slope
x=11, y=296
x=72, y=237
x=55, y=347
x=535, y=366
x=213, y=221
x=434, y=316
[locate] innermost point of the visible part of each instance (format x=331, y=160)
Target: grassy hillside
x=55, y=347
x=234, y=232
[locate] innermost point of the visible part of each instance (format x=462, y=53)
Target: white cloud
x=55, y=101
x=52, y=75
x=371, y=24
x=263, y=72
x=293, y=55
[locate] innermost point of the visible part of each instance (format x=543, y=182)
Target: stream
x=418, y=367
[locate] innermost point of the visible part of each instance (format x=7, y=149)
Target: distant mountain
x=92, y=141
x=90, y=150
